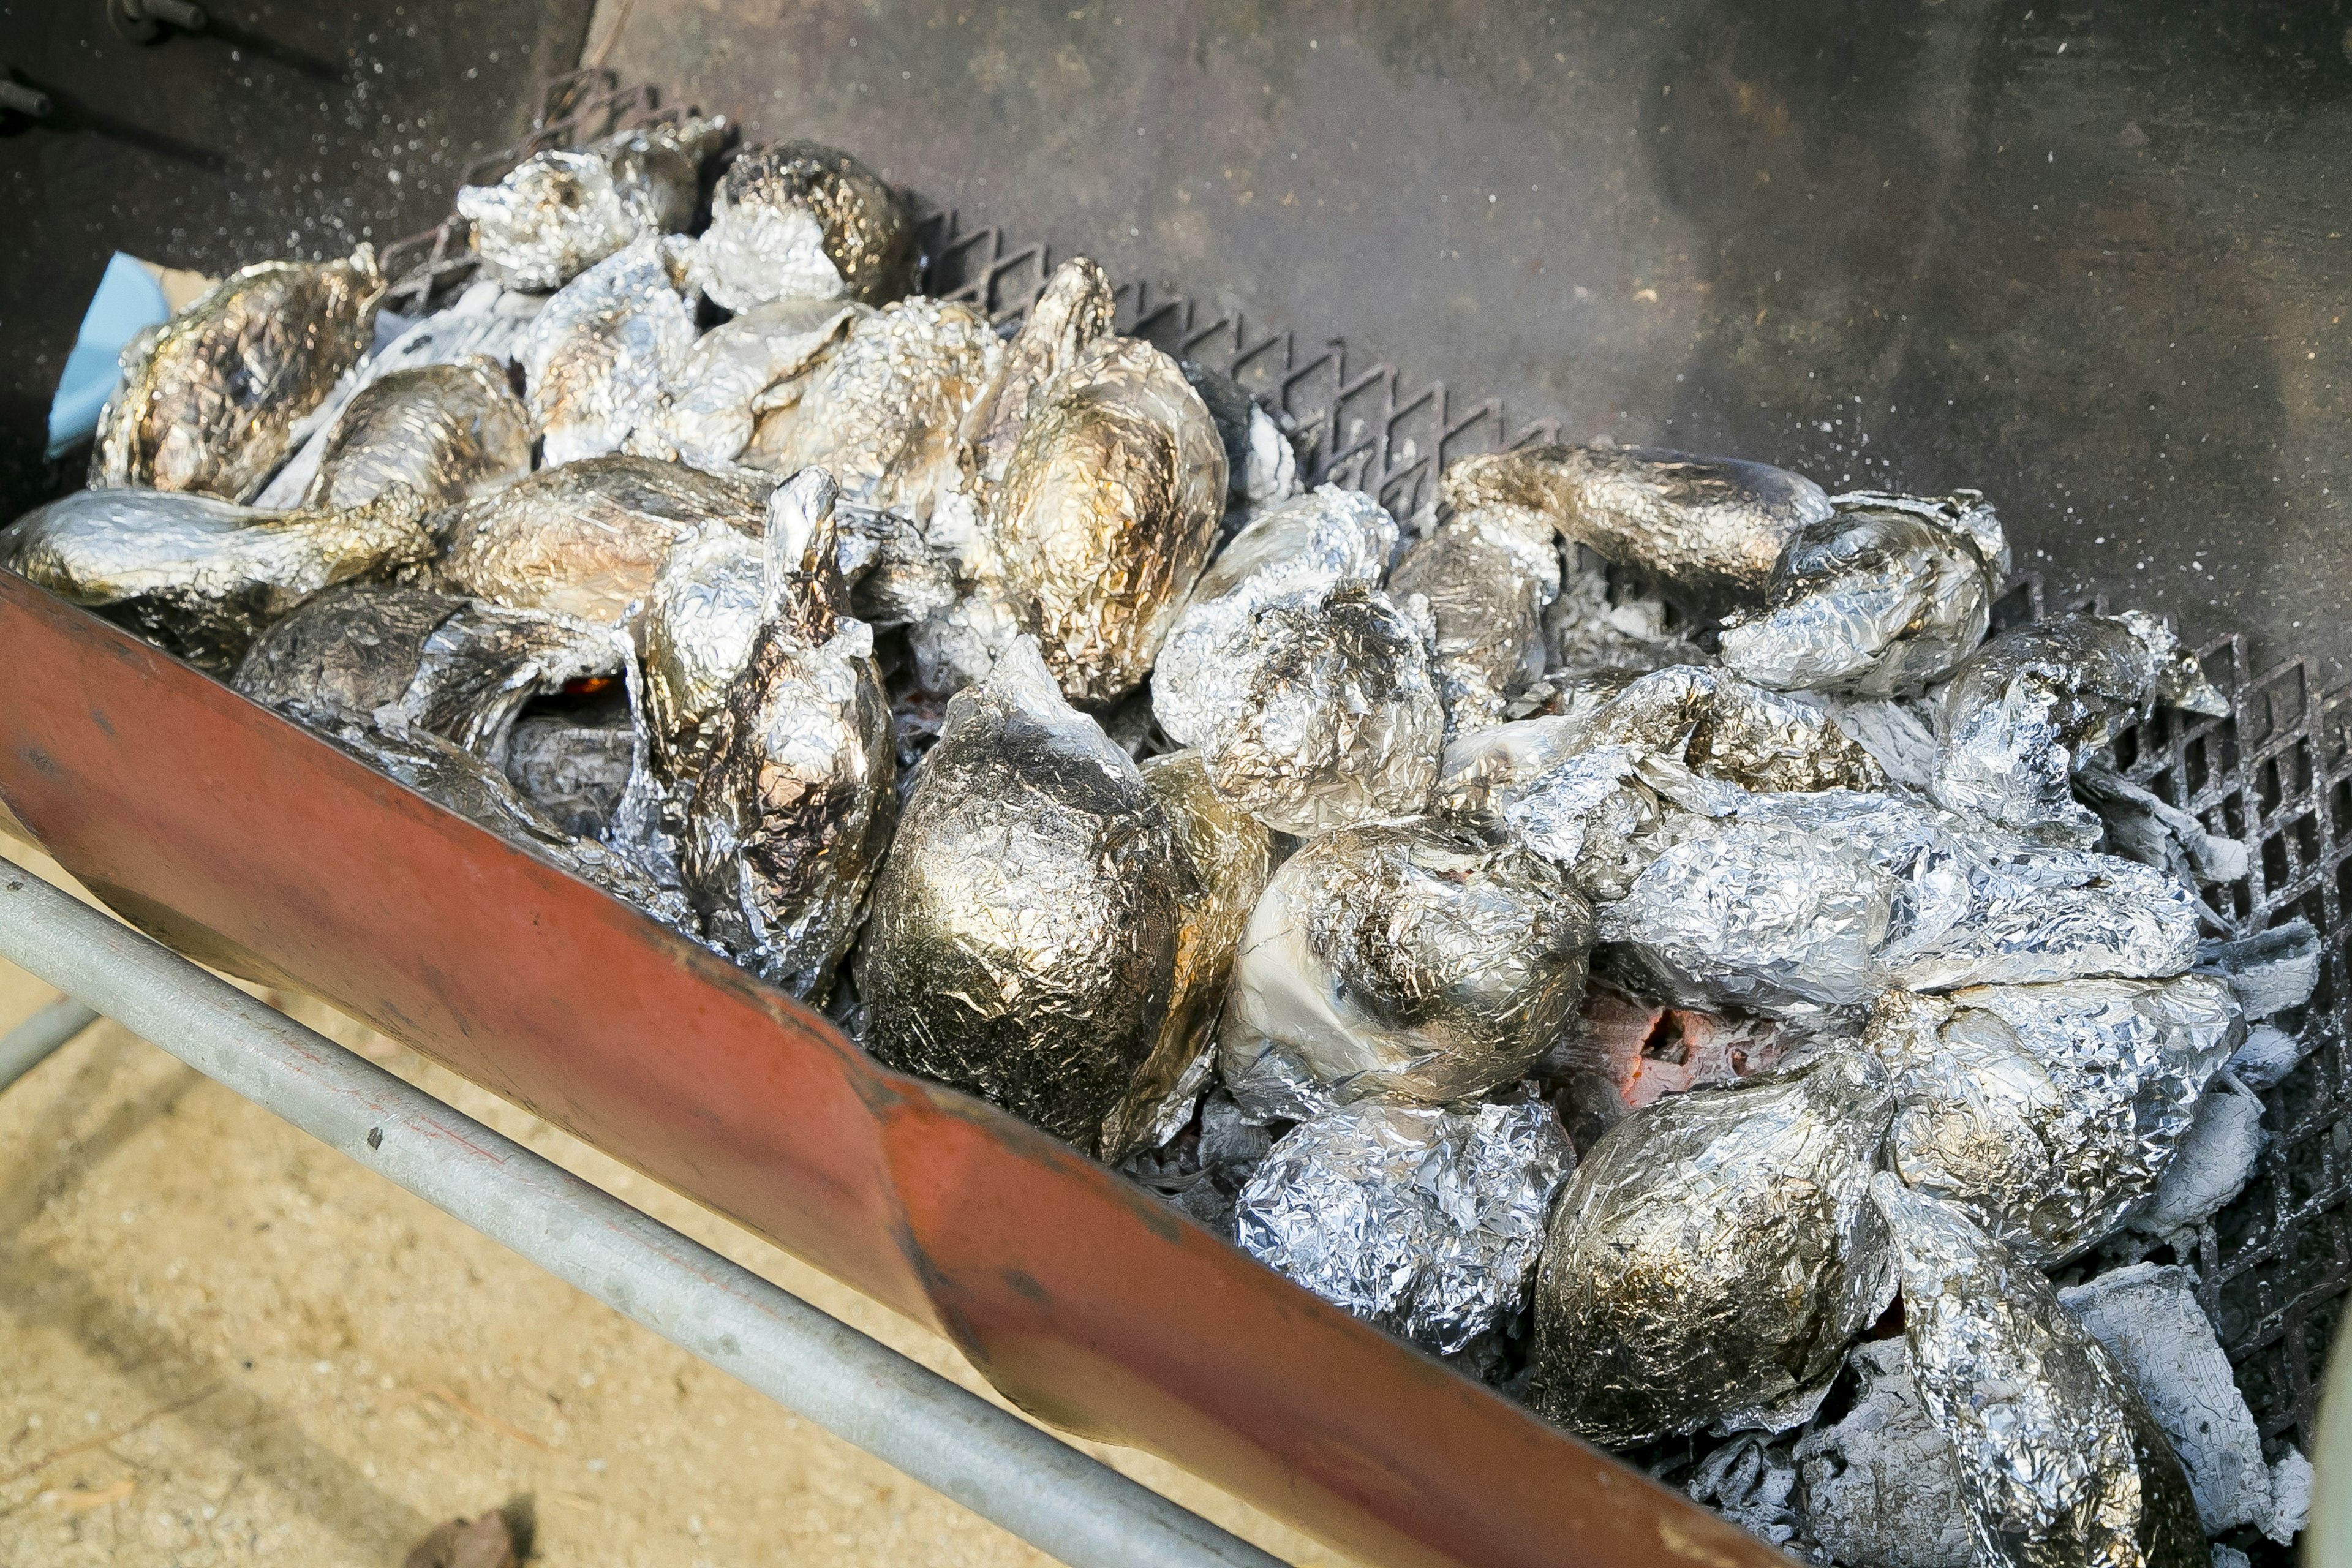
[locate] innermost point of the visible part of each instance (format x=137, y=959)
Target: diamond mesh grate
x=2276, y=1264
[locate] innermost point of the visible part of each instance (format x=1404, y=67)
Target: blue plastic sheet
x=128, y=299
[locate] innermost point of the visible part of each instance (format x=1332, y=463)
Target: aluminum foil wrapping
x=452, y=777
x=880, y=412
x=598, y=360
x=1414, y=962
x=794, y=808
x=586, y=540
x=1106, y=512
x=1231, y=855
x=1966, y=511
x=485, y=320
x=1713, y=1258
x=1706, y=531
x=1726, y=728
x=2060, y=1464
x=1597, y=816
x=2030, y=706
x=659, y=168
x=2049, y=1113
x=199, y=576
x=1072, y=311
x=1027, y=920
x=711, y=407
x=1423, y=1221
x=1795, y=902
x=573, y=768
x=796, y=220
x=410, y=658
x=1872, y=600
x=445, y=431
x=1488, y=575
x=210, y=401
x=554, y=215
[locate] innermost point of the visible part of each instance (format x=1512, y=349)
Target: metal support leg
x=30, y=1043
x=999, y=1467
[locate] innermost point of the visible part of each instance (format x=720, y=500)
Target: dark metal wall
x=2087, y=255
x=286, y=127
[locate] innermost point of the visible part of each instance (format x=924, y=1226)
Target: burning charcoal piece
x=587, y=539
x=1231, y=855
x=202, y=577
x=1874, y=600
x=1412, y=961
x=1882, y=1485
x=879, y=411
x=796, y=220
x=792, y=812
x=1106, y=514
x=1261, y=465
x=2031, y=706
x=599, y=359
x=2048, y=1114
x=1713, y=1258
x=1488, y=575
x=558, y=213
x=1425, y=1221
x=2061, y=1463
x=1028, y=919
x=211, y=401
x=446, y=431
x=1706, y=531
x=413, y=659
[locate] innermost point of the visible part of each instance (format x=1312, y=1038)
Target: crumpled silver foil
x=1231, y=855
x=211, y=400
x=1403, y=961
x=1706, y=531
x=1313, y=542
x=1873, y=601
x=410, y=658
x=2060, y=1464
x=1597, y=814
x=1881, y=1486
x=880, y=411
x=794, y=808
x=1073, y=311
x=587, y=539
x=485, y=320
x=2030, y=706
x=1966, y=511
x=1799, y=902
x=711, y=407
x=1713, y=1258
x=1488, y=575
x=571, y=768
x=450, y=777
x=1320, y=711
x=558, y=213
x=1106, y=513
x=599, y=358
x=1423, y=1221
x=2049, y=1113
x=1027, y=920
x=199, y=576
x=1723, y=727
x=445, y=431
x=797, y=220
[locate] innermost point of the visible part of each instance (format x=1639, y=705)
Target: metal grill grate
x=2275, y=1264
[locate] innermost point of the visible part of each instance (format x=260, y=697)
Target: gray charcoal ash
x=1880, y=1487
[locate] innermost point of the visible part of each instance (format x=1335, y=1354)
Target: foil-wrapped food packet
x=1413, y=961
x=2031, y=706
x=1876, y=600
x=1423, y=1220
x=410, y=658
x=798, y=220
x=1027, y=920
x=212, y=401
x=2049, y=1114
x=202, y=577
x=710, y=408
x=1713, y=1258
x=559, y=212
x=1706, y=531
x=586, y=540
x=2059, y=1462
x=449, y=432
x=598, y=360
x=792, y=809
x=1106, y=513
x=1488, y=575
x=1723, y=727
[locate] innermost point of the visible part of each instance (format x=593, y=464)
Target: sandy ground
x=221, y=1343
